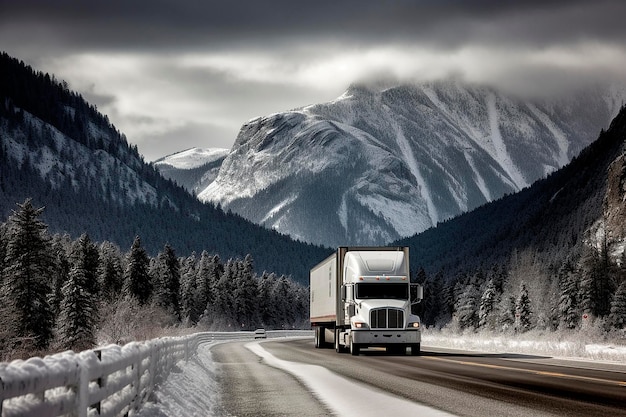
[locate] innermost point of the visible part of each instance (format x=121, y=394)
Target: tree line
x=57, y=293
x=526, y=295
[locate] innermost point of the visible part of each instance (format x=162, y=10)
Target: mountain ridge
x=193, y=169
x=398, y=159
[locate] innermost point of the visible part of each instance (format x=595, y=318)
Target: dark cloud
x=157, y=24
x=175, y=72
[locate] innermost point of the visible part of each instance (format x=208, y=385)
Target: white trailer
x=361, y=297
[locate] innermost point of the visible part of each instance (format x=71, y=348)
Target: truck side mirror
x=343, y=293
x=419, y=293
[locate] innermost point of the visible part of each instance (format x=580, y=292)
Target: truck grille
x=387, y=318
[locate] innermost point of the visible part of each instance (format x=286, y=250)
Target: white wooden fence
x=109, y=381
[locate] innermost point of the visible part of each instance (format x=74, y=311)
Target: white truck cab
x=361, y=297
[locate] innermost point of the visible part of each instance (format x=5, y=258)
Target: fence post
x=101, y=380
x=83, y=388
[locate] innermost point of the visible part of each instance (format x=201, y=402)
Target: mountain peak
x=387, y=160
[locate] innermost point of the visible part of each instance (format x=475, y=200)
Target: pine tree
x=467, y=308
x=189, y=291
x=617, y=316
x=77, y=319
x=61, y=275
x=523, y=310
x=596, y=284
x=281, y=296
x=85, y=252
x=137, y=282
x=568, y=303
x=167, y=289
x=224, y=305
x=210, y=270
x=267, y=311
x=506, y=313
x=110, y=272
x=486, y=318
x=28, y=275
x=246, y=294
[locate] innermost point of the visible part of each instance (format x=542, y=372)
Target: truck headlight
x=359, y=325
x=414, y=325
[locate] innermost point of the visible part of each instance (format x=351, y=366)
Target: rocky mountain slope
x=381, y=163
x=579, y=207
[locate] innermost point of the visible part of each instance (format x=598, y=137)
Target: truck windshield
x=397, y=291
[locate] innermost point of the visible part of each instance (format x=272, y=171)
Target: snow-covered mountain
x=194, y=169
x=380, y=163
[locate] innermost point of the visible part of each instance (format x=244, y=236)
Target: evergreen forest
x=59, y=293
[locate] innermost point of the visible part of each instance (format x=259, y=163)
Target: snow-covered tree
x=523, y=310
x=167, y=285
x=246, y=294
x=596, y=281
x=283, y=302
x=87, y=254
x=110, y=272
x=77, y=317
x=223, y=308
x=617, y=316
x=467, y=307
x=189, y=289
x=61, y=275
x=506, y=313
x=27, y=278
x=265, y=287
x=137, y=282
x=568, y=304
x=486, y=316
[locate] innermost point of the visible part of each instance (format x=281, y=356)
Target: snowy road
x=288, y=377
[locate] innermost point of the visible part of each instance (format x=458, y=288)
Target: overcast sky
x=188, y=73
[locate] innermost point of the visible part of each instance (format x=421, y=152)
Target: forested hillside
x=545, y=257
x=58, y=293
x=58, y=150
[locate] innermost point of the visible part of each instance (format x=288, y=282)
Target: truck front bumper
x=386, y=337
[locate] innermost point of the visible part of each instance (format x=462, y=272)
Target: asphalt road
x=460, y=383
x=251, y=388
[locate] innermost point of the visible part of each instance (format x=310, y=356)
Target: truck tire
x=319, y=337
x=415, y=349
x=355, y=348
x=339, y=348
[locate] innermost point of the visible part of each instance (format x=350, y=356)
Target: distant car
x=259, y=334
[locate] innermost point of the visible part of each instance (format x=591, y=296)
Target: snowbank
x=571, y=345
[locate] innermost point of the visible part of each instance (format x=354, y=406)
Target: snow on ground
x=192, y=388
x=331, y=388
x=575, y=345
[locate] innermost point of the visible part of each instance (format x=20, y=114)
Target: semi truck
x=361, y=297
